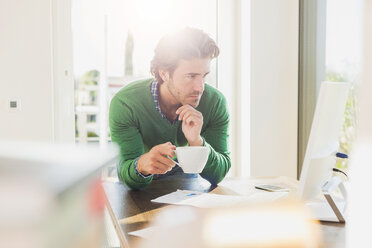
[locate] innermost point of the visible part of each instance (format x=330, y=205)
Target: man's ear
x=164, y=75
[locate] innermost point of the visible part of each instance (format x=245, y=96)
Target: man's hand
x=157, y=160
x=192, y=122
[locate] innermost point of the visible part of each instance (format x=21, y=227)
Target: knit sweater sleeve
x=216, y=138
x=124, y=130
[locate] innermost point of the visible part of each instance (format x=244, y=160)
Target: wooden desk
x=132, y=210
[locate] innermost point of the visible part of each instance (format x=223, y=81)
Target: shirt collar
x=154, y=88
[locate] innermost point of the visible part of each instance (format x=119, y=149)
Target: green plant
x=92, y=134
x=90, y=78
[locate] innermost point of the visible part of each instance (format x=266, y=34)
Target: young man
x=149, y=118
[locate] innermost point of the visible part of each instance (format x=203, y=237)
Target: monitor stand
x=327, y=190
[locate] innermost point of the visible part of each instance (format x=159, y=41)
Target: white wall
x=26, y=69
x=274, y=87
x=226, y=71
x=258, y=74
x=63, y=76
x=233, y=78
x=27, y=61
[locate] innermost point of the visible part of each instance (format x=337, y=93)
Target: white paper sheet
x=209, y=200
x=204, y=200
x=144, y=233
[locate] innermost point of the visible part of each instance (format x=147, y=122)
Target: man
x=149, y=118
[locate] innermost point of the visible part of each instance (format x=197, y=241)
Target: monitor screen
x=323, y=140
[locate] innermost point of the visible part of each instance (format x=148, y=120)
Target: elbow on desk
x=135, y=186
x=127, y=175
x=131, y=184
x=215, y=178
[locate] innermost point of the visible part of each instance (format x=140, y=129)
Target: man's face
x=186, y=85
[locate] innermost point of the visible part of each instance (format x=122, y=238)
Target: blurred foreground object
x=280, y=224
x=51, y=194
x=360, y=215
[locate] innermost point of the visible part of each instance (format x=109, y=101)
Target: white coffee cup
x=192, y=159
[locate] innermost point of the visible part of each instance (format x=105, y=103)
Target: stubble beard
x=172, y=90
x=177, y=95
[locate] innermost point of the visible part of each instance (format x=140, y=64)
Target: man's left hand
x=192, y=122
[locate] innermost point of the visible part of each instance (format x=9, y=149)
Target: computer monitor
x=323, y=140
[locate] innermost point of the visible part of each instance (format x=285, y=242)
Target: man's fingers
x=185, y=111
x=166, y=149
x=189, y=115
x=166, y=161
x=156, y=161
x=161, y=168
x=182, y=108
x=192, y=118
x=186, y=115
x=182, y=115
x=155, y=170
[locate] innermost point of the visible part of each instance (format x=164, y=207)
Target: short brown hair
x=187, y=43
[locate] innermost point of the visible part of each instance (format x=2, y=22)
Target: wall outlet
x=13, y=105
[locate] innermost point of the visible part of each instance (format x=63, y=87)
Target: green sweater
x=136, y=126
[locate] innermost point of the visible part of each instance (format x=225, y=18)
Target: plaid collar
x=155, y=95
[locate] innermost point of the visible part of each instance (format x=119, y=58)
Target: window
x=113, y=45
x=330, y=51
x=343, y=58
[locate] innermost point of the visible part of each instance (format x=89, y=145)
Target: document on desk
x=209, y=200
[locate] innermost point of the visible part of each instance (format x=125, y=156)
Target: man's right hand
x=157, y=160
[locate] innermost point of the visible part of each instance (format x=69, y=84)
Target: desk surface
x=133, y=210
